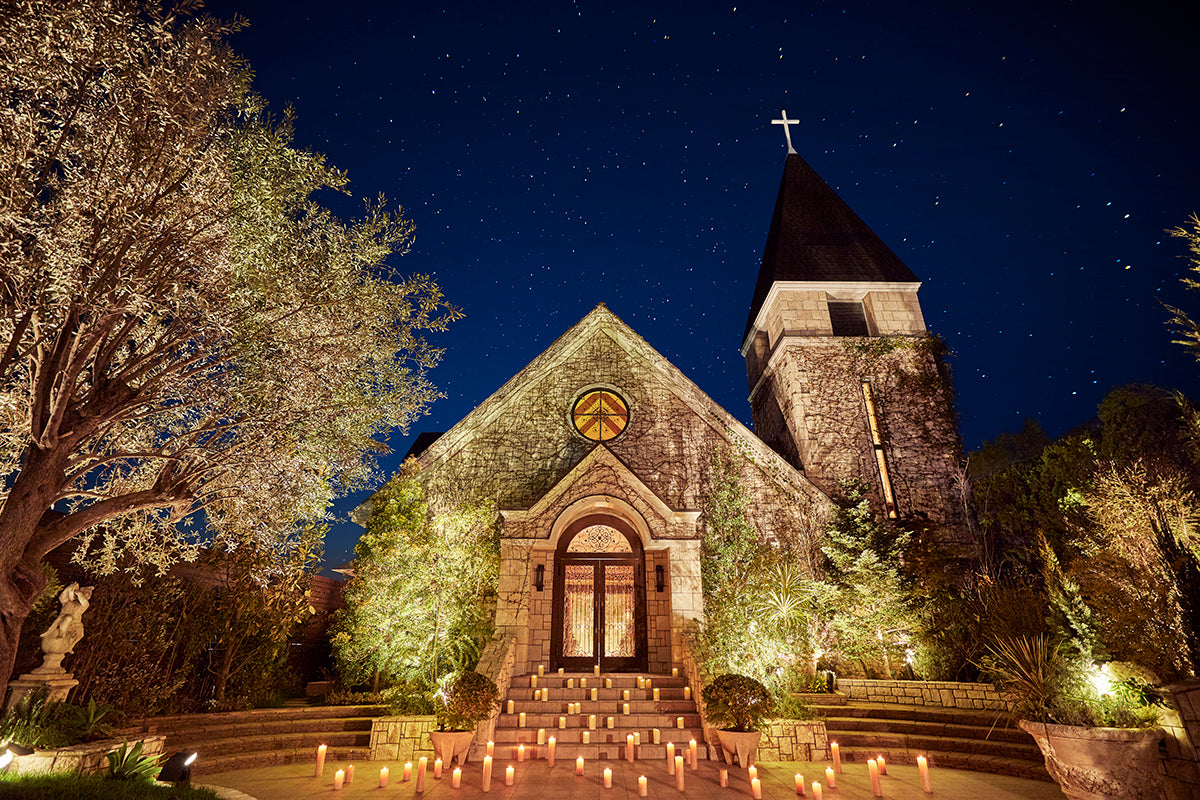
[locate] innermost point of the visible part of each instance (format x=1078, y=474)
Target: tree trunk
x=20, y=585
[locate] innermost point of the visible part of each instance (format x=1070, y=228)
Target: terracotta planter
x=448, y=744
x=1100, y=763
x=743, y=744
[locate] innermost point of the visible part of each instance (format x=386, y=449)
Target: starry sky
x=1023, y=158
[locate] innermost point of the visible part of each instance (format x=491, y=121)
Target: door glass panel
x=618, y=610
x=579, y=611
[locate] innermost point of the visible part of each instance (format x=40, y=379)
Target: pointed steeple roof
x=815, y=236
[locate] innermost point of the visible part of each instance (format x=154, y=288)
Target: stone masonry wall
x=87, y=759
x=402, y=738
x=658, y=614
x=1180, y=758
x=947, y=694
x=794, y=740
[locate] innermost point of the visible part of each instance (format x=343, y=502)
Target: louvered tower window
x=848, y=318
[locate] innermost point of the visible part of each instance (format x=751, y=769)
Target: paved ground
x=536, y=781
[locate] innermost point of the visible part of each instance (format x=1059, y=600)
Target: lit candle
x=595, y=692
x=756, y=788
x=541, y=736
x=873, y=769
x=560, y=670
x=456, y=778
x=320, y=761
x=657, y=734
x=637, y=738
x=383, y=776
x=609, y=722
x=752, y=772
x=625, y=709
x=491, y=748
x=799, y=784
x=656, y=695
x=816, y=787
x=670, y=758
x=882, y=764
x=592, y=722
x=624, y=694
x=687, y=693
x=537, y=694
x=349, y=773
x=649, y=682
x=422, y=763
x=674, y=672
x=541, y=669
x=550, y=752
x=608, y=683
x=545, y=695
x=642, y=788
x=562, y=722
x=487, y=773
x=339, y=778
x=679, y=722
x=570, y=683
x=607, y=778
x=629, y=747
x=587, y=737
x=837, y=757
x=830, y=778
x=520, y=753
x=641, y=682
x=407, y=775
x=579, y=766
x=692, y=754
x=533, y=681
x=923, y=768
x=521, y=720
x=596, y=670
x=583, y=683
x=512, y=707
x=724, y=774
x=679, y=771
x=509, y=774
x=437, y=769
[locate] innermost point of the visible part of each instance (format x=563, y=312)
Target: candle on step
x=873, y=771
x=339, y=778
x=545, y=695
x=687, y=693
x=550, y=751
x=609, y=722
x=882, y=764
x=679, y=771
x=487, y=774
x=608, y=683
x=541, y=736
x=624, y=694
x=595, y=693
x=560, y=670
x=587, y=737
x=637, y=738
x=320, y=760
x=656, y=698
x=674, y=672
x=837, y=757
x=570, y=683
x=456, y=778
x=752, y=772
x=537, y=694
x=521, y=720
x=724, y=774
x=629, y=747
x=422, y=764
x=491, y=748
x=756, y=788
x=641, y=682
x=679, y=722
x=512, y=707
x=657, y=736
x=625, y=709
x=437, y=769
x=670, y=758
x=923, y=768
x=541, y=669
x=509, y=774
x=799, y=784
x=583, y=683
x=562, y=722
x=642, y=787
x=816, y=787
x=830, y=778
x=596, y=670
x=520, y=753
x=607, y=778
x=533, y=681
x=591, y=722
x=692, y=755
x=579, y=766
x=383, y=776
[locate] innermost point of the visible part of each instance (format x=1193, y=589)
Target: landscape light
x=178, y=768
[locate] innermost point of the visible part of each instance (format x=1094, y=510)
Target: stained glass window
x=600, y=415
x=599, y=539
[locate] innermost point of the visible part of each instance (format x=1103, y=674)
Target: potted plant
x=737, y=705
x=465, y=699
x=1098, y=736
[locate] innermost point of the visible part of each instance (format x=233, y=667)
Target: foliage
x=342, y=697
x=737, y=701
x=39, y=722
x=465, y=699
x=1183, y=325
x=788, y=706
x=129, y=764
x=1048, y=684
x=64, y=786
x=182, y=329
x=408, y=700
x=419, y=603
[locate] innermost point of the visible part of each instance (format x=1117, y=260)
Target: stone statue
x=66, y=631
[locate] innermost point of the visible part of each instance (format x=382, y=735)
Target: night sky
x=1022, y=159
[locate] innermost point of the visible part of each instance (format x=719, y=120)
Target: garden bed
x=86, y=759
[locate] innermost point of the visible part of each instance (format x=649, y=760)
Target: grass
x=65, y=786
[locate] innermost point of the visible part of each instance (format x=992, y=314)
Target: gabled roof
x=814, y=236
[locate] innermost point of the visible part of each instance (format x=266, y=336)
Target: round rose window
x=600, y=415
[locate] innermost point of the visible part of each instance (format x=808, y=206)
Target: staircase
x=959, y=739
x=605, y=743
x=258, y=738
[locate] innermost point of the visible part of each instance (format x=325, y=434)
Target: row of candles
x=541, y=673
x=876, y=767
x=609, y=722
x=644, y=684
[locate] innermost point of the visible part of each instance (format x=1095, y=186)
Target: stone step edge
x=972, y=762
x=923, y=728
x=899, y=739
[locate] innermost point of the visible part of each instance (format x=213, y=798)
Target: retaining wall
x=947, y=694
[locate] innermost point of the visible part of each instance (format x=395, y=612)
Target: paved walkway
x=536, y=781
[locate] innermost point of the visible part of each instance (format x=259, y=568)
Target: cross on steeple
x=786, y=131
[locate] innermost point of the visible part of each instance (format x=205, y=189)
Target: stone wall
x=1180, y=759
x=402, y=738
x=658, y=613
x=88, y=758
x=497, y=662
x=794, y=740
x=947, y=694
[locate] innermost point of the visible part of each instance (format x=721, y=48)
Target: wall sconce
x=659, y=580
x=539, y=576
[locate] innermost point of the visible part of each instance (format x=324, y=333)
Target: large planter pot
x=742, y=744
x=448, y=744
x=1100, y=763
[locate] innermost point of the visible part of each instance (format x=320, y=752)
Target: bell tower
x=845, y=381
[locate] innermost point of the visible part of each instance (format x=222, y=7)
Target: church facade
x=600, y=454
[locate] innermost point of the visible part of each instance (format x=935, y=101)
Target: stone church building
x=600, y=453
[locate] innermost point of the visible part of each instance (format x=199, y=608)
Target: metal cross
x=786, y=132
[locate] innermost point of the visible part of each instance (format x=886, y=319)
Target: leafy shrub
x=129, y=764
x=345, y=697
x=40, y=722
x=408, y=700
x=465, y=699
x=738, y=702
x=788, y=706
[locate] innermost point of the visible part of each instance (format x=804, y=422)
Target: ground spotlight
x=178, y=768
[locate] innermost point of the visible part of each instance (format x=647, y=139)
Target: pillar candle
x=641, y=682
x=545, y=695
x=752, y=772
x=560, y=670
x=491, y=748
x=679, y=773
x=456, y=778
x=570, y=683
x=642, y=788
x=533, y=681
x=512, y=707
x=882, y=764
x=583, y=683
x=579, y=766
x=487, y=773
x=830, y=778
x=349, y=773
x=550, y=751
x=873, y=770
x=422, y=763
x=692, y=754
x=521, y=720
x=656, y=695
x=509, y=774
x=562, y=722
x=624, y=694
x=637, y=738
x=674, y=672
x=837, y=757
x=520, y=753
x=587, y=737
x=595, y=692
x=608, y=683
x=541, y=669
x=607, y=778
x=629, y=747
x=609, y=722
x=625, y=709
x=541, y=736
x=596, y=670
x=657, y=734
x=649, y=682
x=437, y=769
x=816, y=787
x=670, y=758
x=923, y=768
x=407, y=776
x=799, y=784
x=679, y=722
x=592, y=722
x=339, y=778
x=687, y=693
x=383, y=776
x=724, y=774
x=756, y=788
x=537, y=694
x=320, y=760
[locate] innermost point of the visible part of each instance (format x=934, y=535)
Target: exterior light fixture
x=660, y=581
x=539, y=577
x=178, y=768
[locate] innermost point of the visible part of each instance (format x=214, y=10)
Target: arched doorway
x=599, y=614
